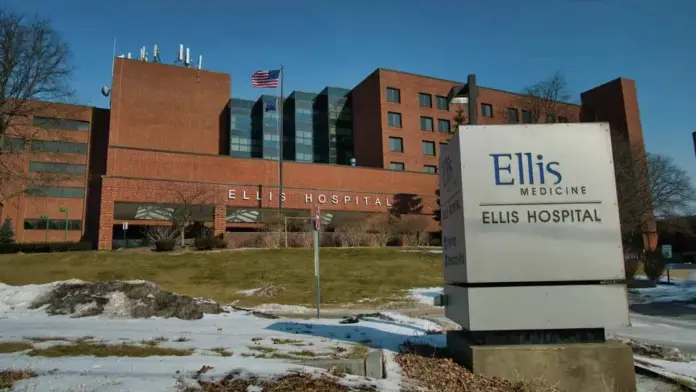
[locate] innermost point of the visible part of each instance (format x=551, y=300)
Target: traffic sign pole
x=125, y=238
x=317, y=226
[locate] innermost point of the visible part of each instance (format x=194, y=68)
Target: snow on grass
x=425, y=295
x=278, y=308
x=230, y=341
x=677, y=290
x=250, y=292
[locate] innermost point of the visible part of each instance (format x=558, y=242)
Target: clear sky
x=507, y=43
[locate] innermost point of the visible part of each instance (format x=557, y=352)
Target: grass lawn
x=347, y=275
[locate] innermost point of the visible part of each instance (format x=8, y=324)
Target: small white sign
x=317, y=216
x=667, y=251
x=125, y=225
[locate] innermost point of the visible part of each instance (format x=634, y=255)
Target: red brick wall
x=367, y=123
x=21, y=206
x=168, y=107
x=616, y=102
x=502, y=100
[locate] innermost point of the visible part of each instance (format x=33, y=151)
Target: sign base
x=573, y=367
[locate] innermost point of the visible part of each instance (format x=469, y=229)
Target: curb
x=372, y=366
x=647, y=371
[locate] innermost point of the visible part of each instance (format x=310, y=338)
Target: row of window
x=66, y=192
x=47, y=146
x=52, y=224
x=426, y=123
x=60, y=123
x=399, y=166
x=425, y=100
x=396, y=144
x=51, y=167
x=513, y=115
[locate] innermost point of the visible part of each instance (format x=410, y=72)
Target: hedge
x=46, y=247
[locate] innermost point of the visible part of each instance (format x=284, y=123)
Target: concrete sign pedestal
x=532, y=254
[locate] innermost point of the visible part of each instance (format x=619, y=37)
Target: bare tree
x=460, y=118
x=383, y=227
x=159, y=233
x=648, y=186
x=545, y=98
x=35, y=70
x=189, y=202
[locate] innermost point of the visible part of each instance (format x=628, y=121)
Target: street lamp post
x=46, y=218
x=67, y=214
x=468, y=94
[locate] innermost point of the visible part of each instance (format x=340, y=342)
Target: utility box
x=530, y=228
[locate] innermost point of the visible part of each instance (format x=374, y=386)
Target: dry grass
x=13, y=347
x=47, y=339
x=154, y=341
x=348, y=275
x=444, y=375
x=9, y=377
x=287, y=341
x=78, y=349
x=222, y=351
x=292, y=382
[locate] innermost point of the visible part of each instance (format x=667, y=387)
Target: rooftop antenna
x=129, y=55
x=200, y=61
x=113, y=58
x=180, y=56
x=155, y=54
x=187, y=62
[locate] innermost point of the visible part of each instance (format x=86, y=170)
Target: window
x=526, y=116
x=59, y=123
x=562, y=119
x=428, y=148
x=429, y=169
x=426, y=124
x=394, y=119
x=49, y=167
x=61, y=147
x=397, y=166
x=513, y=116
x=425, y=100
x=53, y=224
x=443, y=126
x=486, y=110
x=71, y=193
x=13, y=143
x=396, y=144
x=550, y=118
x=393, y=95
x=442, y=103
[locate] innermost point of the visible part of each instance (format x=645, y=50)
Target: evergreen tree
x=6, y=232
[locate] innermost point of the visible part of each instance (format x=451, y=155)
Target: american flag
x=265, y=79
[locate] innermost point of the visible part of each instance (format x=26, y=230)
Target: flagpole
x=280, y=137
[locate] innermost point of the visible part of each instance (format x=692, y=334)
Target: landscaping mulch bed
x=290, y=383
x=444, y=375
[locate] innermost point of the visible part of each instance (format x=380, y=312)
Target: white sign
x=531, y=203
x=317, y=217
x=125, y=225
x=667, y=251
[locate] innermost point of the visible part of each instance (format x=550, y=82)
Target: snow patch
x=250, y=292
x=282, y=308
x=118, y=305
x=14, y=298
x=425, y=295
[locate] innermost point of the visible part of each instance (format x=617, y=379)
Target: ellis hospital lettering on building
x=310, y=198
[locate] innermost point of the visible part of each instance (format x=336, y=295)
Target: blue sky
x=508, y=44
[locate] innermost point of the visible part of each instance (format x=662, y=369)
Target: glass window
x=57, y=146
x=393, y=95
x=428, y=148
x=394, y=119
x=429, y=169
x=443, y=126
x=397, y=166
x=486, y=110
x=513, y=115
x=426, y=124
x=425, y=100
x=59, y=123
x=442, y=103
x=562, y=119
x=550, y=118
x=50, y=167
x=72, y=193
x=396, y=144
x=526, y=117
x=13, y=143
x=53, y=224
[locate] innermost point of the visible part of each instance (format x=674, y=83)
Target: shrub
x=164, y=245
x=44, y=247
x=654, y=265
x=7, y=232
x=435, y=242
x=631, y=267
x=210, y=242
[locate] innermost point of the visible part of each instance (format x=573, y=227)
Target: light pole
x=67, y=214
x=46, y=218
x=467, y=93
